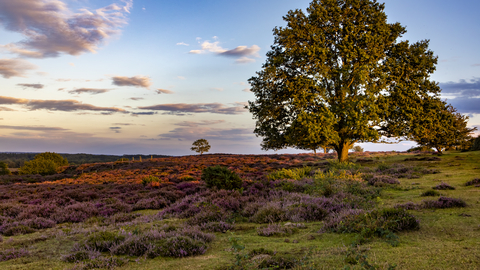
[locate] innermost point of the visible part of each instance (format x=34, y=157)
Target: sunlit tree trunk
x=342, y=151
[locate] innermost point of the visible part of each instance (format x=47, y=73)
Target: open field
x=293, y=211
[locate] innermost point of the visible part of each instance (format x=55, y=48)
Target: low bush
x=103, y=241
x=216, y=226
x=150, y=179
x=221, y=178
x=13, y=253
x=295, y=173
x=443, y=186
x=375, y=221
x=474, y=182
x=444, y=202
x=430, y=192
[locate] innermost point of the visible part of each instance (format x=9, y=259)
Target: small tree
x=44, y=164
x=357, y=148
x=200, y=146
x=440, y=126
x=4, y=169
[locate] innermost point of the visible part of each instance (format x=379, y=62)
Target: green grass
x=447, y=239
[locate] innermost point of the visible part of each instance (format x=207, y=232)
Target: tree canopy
x=200, y=146
x=340, y=74
x=440, y=126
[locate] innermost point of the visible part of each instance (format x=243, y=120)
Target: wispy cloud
x=33, y=128
x=193, y=133
x=116, y=129
x=50, y=28
x=183, y=44
x=136, y=81
x=14, y=67
x=178, y=108
x=31, y=85
x=91, y=91
x=6, y=109
x=462, y=88
x=201, y=123
x=136, y=98
x=164, y=91
x=56, y=105
x=242, y=53
x=142, y=113
x=217, y=89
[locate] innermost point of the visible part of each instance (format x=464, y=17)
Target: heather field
x=380, y=211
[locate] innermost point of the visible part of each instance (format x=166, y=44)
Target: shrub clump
x=474, y=182
x=221, y=178
x=443, y=186
x=10, y=254
x=430, y=192
x=103, y=241
x=376, y=222
x=444, y=202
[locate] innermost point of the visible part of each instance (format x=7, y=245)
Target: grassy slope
x=448, y=238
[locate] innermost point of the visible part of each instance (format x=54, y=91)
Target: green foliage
x=295, y=173
x=337, y=166
x=44, y=164
x=56, y=158
x=103, y=241
x=221, y=178
x=357, y=149
x=200, y=146
x=440, y=126
x=378, y=222
x=476, y=144
x=430, y=192
x=4, y=169
x=150, y=179
x=39, y=166
x=339, y=74
x=123, y=159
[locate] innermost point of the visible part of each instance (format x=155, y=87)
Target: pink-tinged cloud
x=51, y=29
x=6, y=109
x=201, y=123
x=242, y=53
x=91, y=91
x=14, y=67
x=68, y=105
x=193, y=133
x=164, y=91
x=179, y=108
x=31, y=85
x=33, y=128
x=136, y=81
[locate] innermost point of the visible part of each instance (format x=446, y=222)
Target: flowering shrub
x=444, y=202
x=10, y=254
x=443, y=186
x=377, y=221
x=474, y=182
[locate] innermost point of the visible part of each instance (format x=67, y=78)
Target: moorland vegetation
x=302, y=211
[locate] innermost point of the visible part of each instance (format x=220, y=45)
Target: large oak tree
x=340, y=74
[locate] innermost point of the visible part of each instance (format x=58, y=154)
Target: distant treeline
x=16, y=160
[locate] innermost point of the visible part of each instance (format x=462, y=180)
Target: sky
x=152, y=76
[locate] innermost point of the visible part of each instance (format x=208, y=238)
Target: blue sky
x=152, y=76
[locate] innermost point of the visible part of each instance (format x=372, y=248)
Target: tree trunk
x=439, y=150
x=325, y=150
x=342, y=151
x=315, y=152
